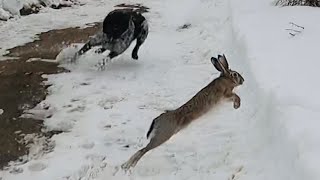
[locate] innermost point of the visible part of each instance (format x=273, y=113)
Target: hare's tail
x=150, y=129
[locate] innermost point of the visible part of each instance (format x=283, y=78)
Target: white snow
x=4, y=15
x=285, y=67
x=11, y=8
x=272, y=136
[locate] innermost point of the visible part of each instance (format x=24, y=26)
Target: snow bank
x=4, y=15
x=11, y=8
x=284, y=60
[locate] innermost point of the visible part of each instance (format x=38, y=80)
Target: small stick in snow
x=296, y=25
x=292, y=34
x=293, y=30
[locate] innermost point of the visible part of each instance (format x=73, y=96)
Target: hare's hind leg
x=134, y=159
x=154, y=142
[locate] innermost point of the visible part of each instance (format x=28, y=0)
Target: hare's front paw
x=236, y=105
x=236, y=101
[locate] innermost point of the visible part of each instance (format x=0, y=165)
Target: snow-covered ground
x=11, y=8
x=105, y=115
x=285, y=67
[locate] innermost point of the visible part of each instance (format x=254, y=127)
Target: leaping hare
x=167, y=124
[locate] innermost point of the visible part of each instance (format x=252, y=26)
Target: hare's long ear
x=216, y=64
x=220, y=64
x=222, y=60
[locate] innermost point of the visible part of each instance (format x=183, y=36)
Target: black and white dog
x=120, y=28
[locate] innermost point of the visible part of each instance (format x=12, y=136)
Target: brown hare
x=167, y=124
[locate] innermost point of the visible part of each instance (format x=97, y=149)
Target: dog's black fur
x=120, y=28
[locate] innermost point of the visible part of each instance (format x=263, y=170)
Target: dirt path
x=21, y=86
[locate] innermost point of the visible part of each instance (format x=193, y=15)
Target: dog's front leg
x=93, y=41
x=134, y=54
x=142, y=36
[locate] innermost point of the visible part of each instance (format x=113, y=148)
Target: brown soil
x=21, y=86
x=52, y=42
x=133, y=7
x=21, y=83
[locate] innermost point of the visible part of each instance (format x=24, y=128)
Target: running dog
x=120, y=28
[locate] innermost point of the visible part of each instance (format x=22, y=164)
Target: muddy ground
x=21, y=86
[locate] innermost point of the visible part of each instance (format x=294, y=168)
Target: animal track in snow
x=88, y=145
x=41, y=111
x=108, y=102
x=37, y=167
x=85, y=83
x=16, y=170
x=115, y=115
x=148, y=171
x=156, y=106
x=236, y=174
x=77, y=104
x=121, y=143
x=95, y=157
x=79, y=108
x=89, y=171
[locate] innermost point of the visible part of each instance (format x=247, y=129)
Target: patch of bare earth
x=21, y=86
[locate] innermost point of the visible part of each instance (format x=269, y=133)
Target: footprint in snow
x=85, y=84
x=88, y=145
x=37, y=167
x=16, y=170
x=106, y=127
x=95, y=157
x=79, y=108
x=121, y=143
x=147, y=171
x=115, y=115
x=108, y=102
x=90, y=171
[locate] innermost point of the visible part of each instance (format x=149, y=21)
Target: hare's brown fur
x=167, y=124
x=204, y=100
